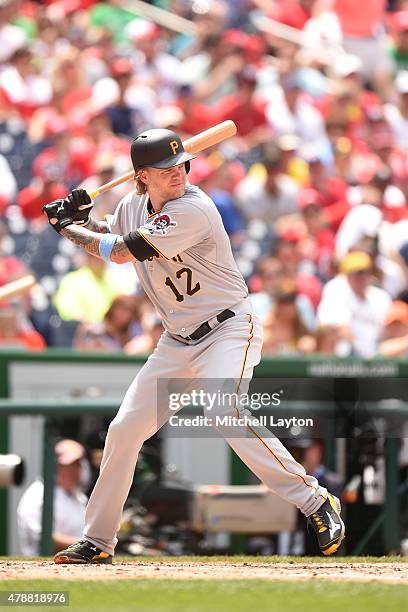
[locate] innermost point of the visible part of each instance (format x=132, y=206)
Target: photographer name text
x=238, y=421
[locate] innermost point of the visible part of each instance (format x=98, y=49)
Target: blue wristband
x=106, y=245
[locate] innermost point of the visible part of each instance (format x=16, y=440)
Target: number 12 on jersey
x=190, y=290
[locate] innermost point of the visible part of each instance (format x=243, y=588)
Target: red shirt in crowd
x=334, y=202
x=197, y=117
x=10, y=268
x=29, y=339
x=291, y=13
x=35, y=196
x=72, y=170
x=246, y=118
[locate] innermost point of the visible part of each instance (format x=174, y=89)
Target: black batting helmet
x=158, y=148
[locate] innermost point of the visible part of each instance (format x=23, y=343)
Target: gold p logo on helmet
x=174, y=146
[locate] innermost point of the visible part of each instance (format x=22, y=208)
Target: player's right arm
x=114, y=248
x=105, y=245
x=100, y=227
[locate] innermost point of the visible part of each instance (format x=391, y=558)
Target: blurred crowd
x=312, y=191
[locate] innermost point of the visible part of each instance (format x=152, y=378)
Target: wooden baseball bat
x=193, y=145
x=21, y=285
x=164, y=18
x=329, y=51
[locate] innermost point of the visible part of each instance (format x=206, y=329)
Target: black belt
x=205, y=328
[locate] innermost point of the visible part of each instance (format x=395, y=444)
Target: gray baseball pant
x=232, y=349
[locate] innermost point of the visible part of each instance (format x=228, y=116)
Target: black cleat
x=327, y=524
x=82, y=552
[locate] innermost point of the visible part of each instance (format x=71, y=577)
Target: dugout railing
x=13, y=404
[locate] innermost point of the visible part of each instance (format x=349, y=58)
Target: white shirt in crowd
x=69, y=515
x=34, y=90
x=306, y=122
x=8, y=185
x=367, y=220
x=11, y=38
x=362, y=220
x=398, y=123
x=254, y=202
x=365, y=317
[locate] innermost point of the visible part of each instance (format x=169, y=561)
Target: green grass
x=229, y=596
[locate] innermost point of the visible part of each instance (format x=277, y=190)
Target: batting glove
x=79, y=206
x=58, y=215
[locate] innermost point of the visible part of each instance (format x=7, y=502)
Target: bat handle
x=118, y=181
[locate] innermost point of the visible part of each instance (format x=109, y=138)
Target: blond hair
x=140, y=186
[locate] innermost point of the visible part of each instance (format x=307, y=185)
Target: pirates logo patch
x=161, y=224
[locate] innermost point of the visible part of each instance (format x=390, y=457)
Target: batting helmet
x=158, y=148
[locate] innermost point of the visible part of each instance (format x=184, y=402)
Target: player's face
x=165, y=184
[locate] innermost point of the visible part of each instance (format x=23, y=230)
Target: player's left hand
x=79, y=206
x=58, y=216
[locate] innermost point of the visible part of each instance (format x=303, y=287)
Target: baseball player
x=173, y=234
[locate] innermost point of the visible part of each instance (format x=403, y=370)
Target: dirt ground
x=187, y=570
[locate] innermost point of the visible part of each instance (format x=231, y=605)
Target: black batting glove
x=58, y=214
x=79, y=206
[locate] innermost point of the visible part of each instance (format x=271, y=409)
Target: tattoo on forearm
x=101, y=227
x=120, y=252
x=83, y=238
x=89, y=241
